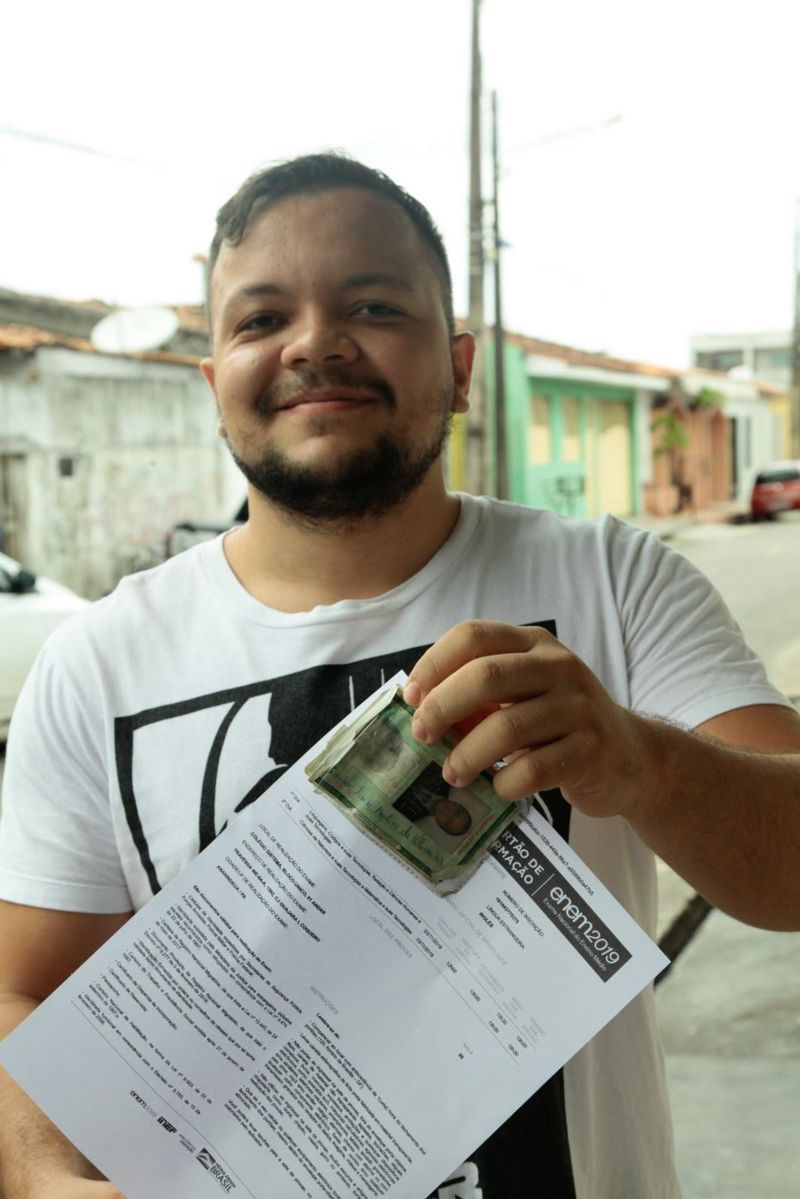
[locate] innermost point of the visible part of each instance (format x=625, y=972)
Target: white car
x=30, y=608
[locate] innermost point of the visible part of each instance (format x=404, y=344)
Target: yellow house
x=780, y=403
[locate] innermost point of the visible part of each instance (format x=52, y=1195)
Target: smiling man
x=588, y=649
x=349, y=428
x=336, y=370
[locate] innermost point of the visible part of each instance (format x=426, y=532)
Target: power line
x=45, y=139
x=565, y=134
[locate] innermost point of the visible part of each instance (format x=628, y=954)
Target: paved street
x=756, y=567
x=730, y=1009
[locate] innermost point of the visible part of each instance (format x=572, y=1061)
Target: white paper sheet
x=297, y=1015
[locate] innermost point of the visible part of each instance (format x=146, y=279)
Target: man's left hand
x=541, y=706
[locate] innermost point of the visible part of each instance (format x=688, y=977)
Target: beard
x=356, y=487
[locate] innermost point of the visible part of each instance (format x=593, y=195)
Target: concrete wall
x=104, y=456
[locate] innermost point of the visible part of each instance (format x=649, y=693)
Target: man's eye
x=375, y=308
x=262, y=320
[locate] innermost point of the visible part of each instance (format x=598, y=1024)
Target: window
x=540, y=435
x=788, y=474
x=776, y=358
x=719, y=360
x=570, y=430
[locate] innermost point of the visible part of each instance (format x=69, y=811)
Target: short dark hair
x=314, y=174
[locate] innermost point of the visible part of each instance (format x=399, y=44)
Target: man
x=152, y=719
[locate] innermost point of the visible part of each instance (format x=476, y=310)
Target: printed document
x=297, y=1014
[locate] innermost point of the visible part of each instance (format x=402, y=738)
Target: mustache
x=313, y=380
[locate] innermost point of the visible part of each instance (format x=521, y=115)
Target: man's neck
x=293, y=566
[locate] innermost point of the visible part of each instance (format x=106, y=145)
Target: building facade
x=102, y=455
x=579, y=440
x=589, y=434
x=765, y=356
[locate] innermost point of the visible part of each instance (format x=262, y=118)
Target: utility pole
x=501, y=455
x=475, y=472
x=795, y=404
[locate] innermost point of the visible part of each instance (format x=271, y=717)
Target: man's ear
x=462, y=349
x=207, y=367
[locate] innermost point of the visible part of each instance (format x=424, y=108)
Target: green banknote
x=391, y=786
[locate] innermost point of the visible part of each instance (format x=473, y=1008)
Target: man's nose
x=317, y=341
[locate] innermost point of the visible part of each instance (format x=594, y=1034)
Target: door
x=608, y=457
x=734, y=449
x=13, y=504
x=614, y=475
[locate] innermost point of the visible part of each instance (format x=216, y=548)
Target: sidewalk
x=729, y=1017
x=667, y=527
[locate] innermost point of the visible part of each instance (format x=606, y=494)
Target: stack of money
x=391, y=786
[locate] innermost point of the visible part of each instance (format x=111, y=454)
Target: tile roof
x=191, y=317
x=29, y=338
x=576, y=357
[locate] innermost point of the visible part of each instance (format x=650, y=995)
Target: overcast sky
x=625, y=237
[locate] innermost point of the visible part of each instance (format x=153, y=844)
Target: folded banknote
x=391, y=786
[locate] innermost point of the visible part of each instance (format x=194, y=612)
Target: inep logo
x=210, y=1163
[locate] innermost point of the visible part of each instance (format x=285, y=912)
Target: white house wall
x=757, y=434
x=144, y=454
x=644, y=440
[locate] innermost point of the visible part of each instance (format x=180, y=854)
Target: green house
x=578, y=427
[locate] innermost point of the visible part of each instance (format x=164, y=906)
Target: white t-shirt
x=153, y=716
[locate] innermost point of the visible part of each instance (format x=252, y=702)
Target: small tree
x=708, y=397
x=669, y=428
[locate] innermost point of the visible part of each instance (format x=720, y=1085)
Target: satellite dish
x=129, y=330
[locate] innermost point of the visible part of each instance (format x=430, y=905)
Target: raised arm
x=721, y=805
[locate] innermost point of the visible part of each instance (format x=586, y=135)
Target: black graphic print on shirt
x=265, y=726
x=253, y=733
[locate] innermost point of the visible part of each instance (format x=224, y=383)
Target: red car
x=776, y=489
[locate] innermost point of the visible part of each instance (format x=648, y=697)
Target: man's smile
x=329, y=400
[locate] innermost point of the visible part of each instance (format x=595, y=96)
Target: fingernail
x=419, y=731
x=412, y=694
x=449, y=775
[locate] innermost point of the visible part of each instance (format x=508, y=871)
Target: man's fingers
x=462, y=727
x=462, y=644
x=535, y=722
x=562, y=764
x=478, y=686
x=495, y=681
